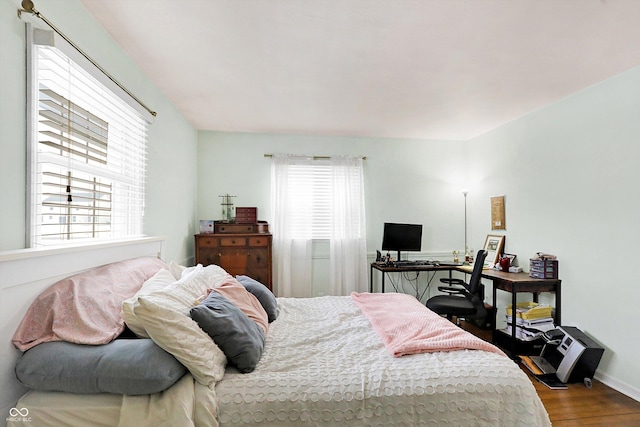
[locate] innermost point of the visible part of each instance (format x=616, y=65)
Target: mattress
x=324, y=365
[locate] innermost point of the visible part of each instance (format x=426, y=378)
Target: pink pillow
x=245, y=301
x=85, y=308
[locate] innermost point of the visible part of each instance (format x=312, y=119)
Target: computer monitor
x=402, y=237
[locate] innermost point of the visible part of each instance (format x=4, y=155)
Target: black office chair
x=464, y=300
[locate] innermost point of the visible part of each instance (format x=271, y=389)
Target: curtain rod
x=319, y=157
x=28, y=7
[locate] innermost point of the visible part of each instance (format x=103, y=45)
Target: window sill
x=31, y=253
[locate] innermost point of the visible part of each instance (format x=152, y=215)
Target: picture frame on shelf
x=493, y=245
x=206, y=226
x=511, y=257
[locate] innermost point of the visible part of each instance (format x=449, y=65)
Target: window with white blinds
x=87, y=153
x=309, y=188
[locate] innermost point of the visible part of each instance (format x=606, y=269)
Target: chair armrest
x=451, y=290
x=452, y=281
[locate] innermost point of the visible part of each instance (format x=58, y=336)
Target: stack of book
x=532, y=320
x=531, y=329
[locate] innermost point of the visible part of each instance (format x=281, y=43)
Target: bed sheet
x=185, y=404
x=58, y=409
x=324, y=365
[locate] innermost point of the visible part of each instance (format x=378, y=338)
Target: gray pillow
x=125, y=366
x=264, y=295
x=239, y=337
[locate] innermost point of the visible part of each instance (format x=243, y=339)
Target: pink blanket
x=85, y=308
x=408, y=327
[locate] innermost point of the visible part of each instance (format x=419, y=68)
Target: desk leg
x=383, y=273
x=493, y=285
x=514, y=293
x=371, y=279
x=558, y=304
x=495, y=307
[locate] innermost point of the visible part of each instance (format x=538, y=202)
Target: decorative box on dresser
x=241, y=249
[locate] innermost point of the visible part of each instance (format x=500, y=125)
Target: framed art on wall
x=498, y=220
x=493, y=245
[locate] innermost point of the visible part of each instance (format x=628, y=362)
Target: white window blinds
x=310, y=198
x=87, y=152
x=320, y=198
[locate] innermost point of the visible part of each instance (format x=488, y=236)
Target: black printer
x=570, y=354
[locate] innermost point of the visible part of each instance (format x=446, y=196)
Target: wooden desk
x=405, y=269
x=521, y=282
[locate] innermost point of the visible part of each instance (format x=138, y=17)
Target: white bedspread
x=324, y=364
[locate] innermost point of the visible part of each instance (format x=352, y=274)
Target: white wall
x=171, y=175
x=13, y=152
x=570, y=175
x=405, y=180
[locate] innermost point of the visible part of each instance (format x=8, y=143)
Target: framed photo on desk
x=493, y=245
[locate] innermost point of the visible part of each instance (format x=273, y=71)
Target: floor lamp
x=466, y=246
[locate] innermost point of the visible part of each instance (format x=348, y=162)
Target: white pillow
x=176, y=269
x=164, y=314
x=214, y=272
x=216, y=276
x=160, y=280
x=179, y=270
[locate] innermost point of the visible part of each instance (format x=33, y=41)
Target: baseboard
x=618, y=385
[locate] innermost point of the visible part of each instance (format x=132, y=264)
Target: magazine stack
x=532, y=320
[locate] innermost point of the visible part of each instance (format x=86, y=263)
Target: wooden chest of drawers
x=246, y=254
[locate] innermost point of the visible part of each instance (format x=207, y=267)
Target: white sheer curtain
x=348, y=245
x=318, y=199
x=291, y=247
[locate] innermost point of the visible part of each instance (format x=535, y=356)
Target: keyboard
x=450, y=263
x=407, y=263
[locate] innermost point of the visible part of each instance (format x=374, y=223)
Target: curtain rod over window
x=28, y=7
x=318, y=157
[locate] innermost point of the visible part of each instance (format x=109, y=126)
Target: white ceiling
x=432, y=69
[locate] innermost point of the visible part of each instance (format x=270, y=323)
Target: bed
x=324, y=361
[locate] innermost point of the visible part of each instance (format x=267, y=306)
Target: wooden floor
x=578, y=405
